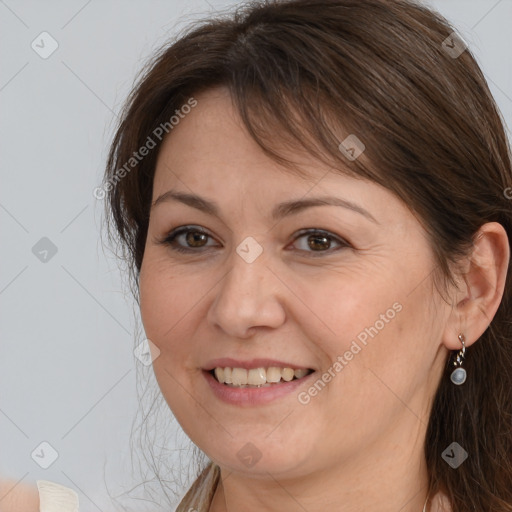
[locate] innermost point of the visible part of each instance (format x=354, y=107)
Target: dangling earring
x=458, y=375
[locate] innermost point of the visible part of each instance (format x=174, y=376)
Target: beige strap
x=56, y=498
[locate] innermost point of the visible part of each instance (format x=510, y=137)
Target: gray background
x=68, y=325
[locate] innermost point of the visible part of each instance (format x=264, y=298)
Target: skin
x=18, y=496
x=358, y=444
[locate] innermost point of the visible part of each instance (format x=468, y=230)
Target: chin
x=258, y=458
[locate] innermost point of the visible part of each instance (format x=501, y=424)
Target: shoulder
x=56, y=497
x=45, y=496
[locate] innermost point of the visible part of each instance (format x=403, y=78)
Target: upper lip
x=227, y=362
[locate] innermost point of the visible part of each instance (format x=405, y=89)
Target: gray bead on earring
x=458, y=375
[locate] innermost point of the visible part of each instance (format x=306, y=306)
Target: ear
x=481, y=286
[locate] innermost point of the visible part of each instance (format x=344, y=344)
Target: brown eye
x=187, y=239
x=196, y=238
x=316, y=242
x=319, y=241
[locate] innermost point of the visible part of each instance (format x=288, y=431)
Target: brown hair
x=433, y=135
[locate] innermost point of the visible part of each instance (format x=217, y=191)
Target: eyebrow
x=280, y=211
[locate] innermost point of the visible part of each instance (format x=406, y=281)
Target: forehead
x=209, y=152
x=212, y=144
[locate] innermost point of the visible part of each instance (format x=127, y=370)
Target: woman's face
x=263, y=289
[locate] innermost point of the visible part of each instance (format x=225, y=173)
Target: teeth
x=287, y=374
x=300, y=373
x=239, y=376
x=219, y=374
x=257, y=376
x=273, y=374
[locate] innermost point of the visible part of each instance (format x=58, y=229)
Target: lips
x=255, y=381
x=227, y=362
x=255, y=395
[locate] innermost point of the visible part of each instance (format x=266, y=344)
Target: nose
x=248, y=297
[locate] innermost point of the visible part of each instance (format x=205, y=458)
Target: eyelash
x=170, y=240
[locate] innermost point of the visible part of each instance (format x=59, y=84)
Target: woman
x=312, y=196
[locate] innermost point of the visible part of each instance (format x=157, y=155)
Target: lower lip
x=253, y=396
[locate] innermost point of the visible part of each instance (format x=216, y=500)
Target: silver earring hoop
x=458, y=375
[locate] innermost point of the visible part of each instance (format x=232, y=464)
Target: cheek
x=162, y=305
x=163, y=294
x=159, y=304
x=345, y=308
x=171, y=305
x=152, y=299
x=378, y=327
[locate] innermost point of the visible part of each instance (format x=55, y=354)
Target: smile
x=257, y=377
